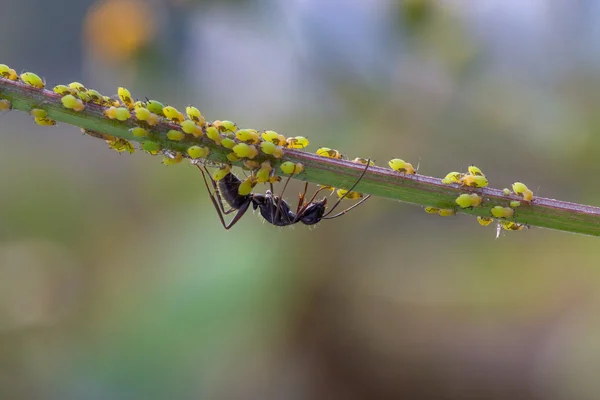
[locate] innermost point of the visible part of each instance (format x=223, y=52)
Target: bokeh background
x=117, y=280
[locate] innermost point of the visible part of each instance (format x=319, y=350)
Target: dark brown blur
x=117, y=280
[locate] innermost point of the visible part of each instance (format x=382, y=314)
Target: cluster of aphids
x=474, y=178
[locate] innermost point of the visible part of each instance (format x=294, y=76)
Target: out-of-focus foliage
x=117, y=280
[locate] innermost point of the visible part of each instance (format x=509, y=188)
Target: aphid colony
x=246, y=145
x=474, y=178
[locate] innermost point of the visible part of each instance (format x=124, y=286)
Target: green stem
x=416, y=189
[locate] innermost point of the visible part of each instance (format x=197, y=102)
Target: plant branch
x=415, y=189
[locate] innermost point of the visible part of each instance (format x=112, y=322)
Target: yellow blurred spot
x=116, y=29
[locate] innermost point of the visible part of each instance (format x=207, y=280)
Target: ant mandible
x=274, y=209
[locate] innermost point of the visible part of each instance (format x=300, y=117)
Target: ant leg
x=240, y=212
x=278, y=209
x=215, y=190
x=301, y=197
x=349, y=208
x=345, y=194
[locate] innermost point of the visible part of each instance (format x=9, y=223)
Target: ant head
x=314, y=212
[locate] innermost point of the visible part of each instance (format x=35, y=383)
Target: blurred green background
x=117, y=280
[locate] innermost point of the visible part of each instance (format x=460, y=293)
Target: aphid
x=120, y=145
x=143, y=114
x=189, y=126
x=502, y=212
x=271, y=149
x=194, y=114
x=452, y=177
x=515, y=204
x=173, y=114
x=33, y=80
x=172, y=159
x=125, y=97
x=401, y=166
x=232, y=157
x=110, y=102
x=8, y=73
x=364, y=161
x=95, y=97
x=250, y=165
x=122, y=114
x=467, y=200
x=432, y=210
x=38, y=113
x=274, y=209
x=512, y=226
x=522, y=190
x=247, y=185
x=225, y=126
x=173, y=134
x=111, y=112
x=5, y=105
x=484, y=221
x=473, y=170
x=289, y=168
x=45, y=121
x=151, y=147
x=228, y=143
x=446, y=212
x=221, y=172
x=273, y=137
x=72, y=102
x=298, y=142
x=244, y=150
x=138, y=132
x=77, y=86
x=155, y=107
x=64, y=90
x=248, y=136
x=343, y=193
x=506, y=191
x=213, y=134
x=327, y=152
x=264, y=173
x=476, y=181
x=84, y=96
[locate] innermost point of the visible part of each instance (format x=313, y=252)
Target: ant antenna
x=345, y=194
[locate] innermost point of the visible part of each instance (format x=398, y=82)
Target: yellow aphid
x=155, y=107
x=268, y=147
x=484, y=221
x=298, y=142
x=270, y=136
x=84, y=96
x=327, y=152
x=194, y=114
x=45, y=121
x=264, y=173
x=473, y=170
x=325, y=187
x=522, y=190
x=363, y=161
x=5, y=105
x=228, y=143
x=77, y=86
x=225, y=126
x=244, y=150
x=506, y=191
x=198, y=152
x=138, y=132
x=189, y=126
x=343, y=193
x=151, y=147
x=289, y=168
x=476, y=181
x=175, y=135
x=38, y=113
x=468, y=200
x=213, y=134
x=221, y=172
x=122, y=114
x=232, y=157
x=72, y=102
x=33, y=80
x=250, y=165
x=512, y=226
x=176, y=159
x=502, y=212
x=64, y=90
x=515, y=204
x=400, y=165
x=452, y=177
x=173, y=114
x=109, y=101
x=275, y=179
x=141, y=113
x=432, y=210
x=528, y=195
x=111, y=112
x=120, y=145
x=8, y=73
x=246, y=186
x=125, y=97
x=248, y=135
x=446, y=212
x=95, y=96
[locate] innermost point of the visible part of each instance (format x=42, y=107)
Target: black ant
x=274, y=209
